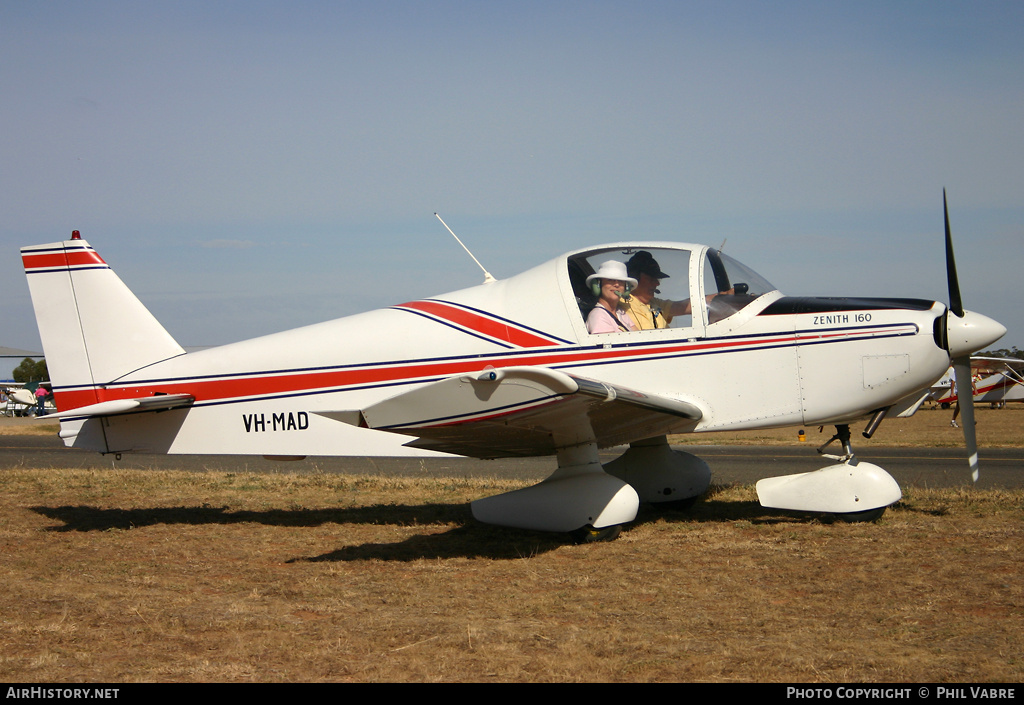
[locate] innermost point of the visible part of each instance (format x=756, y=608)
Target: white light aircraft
x=508, y=369
x=994, y=380
x=19, y=401
x=16, y=398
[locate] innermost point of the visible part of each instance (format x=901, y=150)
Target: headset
x=595, y=288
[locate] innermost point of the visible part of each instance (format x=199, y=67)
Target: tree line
x=31, y=371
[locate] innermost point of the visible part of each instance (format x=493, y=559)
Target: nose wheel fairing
x=845, y=488
x=848, y=488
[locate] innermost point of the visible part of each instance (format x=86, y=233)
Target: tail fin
x=93, y=328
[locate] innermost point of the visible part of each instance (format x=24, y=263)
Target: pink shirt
x=601, y=320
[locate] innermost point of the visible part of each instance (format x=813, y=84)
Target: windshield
x=630, y=289
x=736, y=284
x=658, y=283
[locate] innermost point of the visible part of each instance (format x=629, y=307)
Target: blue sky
x=247, y=167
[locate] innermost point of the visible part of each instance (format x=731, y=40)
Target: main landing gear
x=589, y=534
x=849, y=489
x=590, y=501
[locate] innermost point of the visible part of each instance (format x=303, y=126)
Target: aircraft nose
x=971, y=333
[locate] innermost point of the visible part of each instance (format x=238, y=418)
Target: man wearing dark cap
x=647, y=311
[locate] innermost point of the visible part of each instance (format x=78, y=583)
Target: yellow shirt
x=649, y=316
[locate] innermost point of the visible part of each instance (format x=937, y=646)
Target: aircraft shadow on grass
x=467, y=539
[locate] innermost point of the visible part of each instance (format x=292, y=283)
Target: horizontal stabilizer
x=159, y=402
x=521, y=411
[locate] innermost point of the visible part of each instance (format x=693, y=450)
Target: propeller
x=966, y=332
x=956, y=305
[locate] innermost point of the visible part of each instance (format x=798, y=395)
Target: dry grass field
x=151, y=576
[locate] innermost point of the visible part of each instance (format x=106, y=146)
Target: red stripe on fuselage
x=214, y=390
x=480, y=324
x=258, y=386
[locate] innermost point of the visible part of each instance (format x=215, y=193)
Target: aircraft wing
x=1008, y=371
x=1007, y=366
x=22, y=396
x=978, y=362
x=521, y=411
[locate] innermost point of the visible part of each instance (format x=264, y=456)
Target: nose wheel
x=843, y=436
x=861, y=517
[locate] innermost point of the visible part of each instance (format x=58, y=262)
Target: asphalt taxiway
x=911, y=467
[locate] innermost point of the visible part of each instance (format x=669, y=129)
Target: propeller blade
x=965, y=398
x=955, y=304
x=969, y=335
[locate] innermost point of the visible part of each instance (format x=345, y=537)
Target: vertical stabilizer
x=93, y=328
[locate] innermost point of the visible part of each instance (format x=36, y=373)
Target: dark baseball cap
x=644, y=263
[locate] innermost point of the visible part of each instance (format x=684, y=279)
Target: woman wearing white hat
x=610, y=284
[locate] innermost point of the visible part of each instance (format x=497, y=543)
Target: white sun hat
x=612, y=270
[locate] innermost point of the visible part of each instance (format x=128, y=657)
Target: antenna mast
x=487, y=275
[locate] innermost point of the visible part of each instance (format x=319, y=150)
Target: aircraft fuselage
x=768, y=360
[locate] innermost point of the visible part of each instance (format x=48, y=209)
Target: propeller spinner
x=966, y=332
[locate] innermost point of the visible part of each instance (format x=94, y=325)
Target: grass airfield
x=140, y=576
